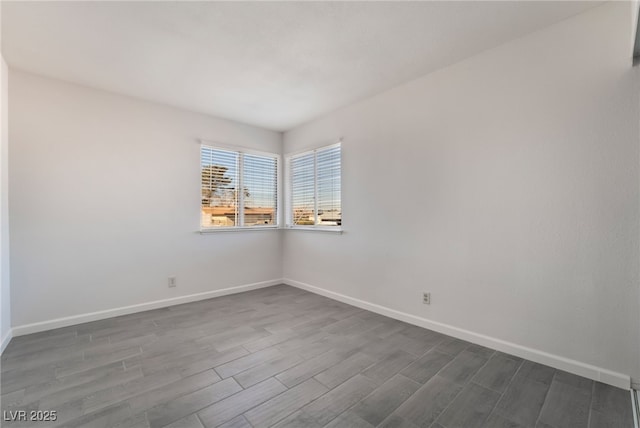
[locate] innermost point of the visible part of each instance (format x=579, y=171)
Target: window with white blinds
x=238, y=189
x=315, y=187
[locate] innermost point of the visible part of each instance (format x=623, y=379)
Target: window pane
x=219, y=176
x=302, y=189
x=260, y=187
x=328, y=172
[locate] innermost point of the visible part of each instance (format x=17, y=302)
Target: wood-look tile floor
x=284, y=357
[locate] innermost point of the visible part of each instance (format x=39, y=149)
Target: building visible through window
x=315, y=187
x=238, y=189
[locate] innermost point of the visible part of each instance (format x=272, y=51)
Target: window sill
x=235, y=229
x=336, y=230
x=325, y=229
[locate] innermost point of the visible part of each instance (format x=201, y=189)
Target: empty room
x=359, y=214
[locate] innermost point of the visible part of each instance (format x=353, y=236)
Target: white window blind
x=303, y=189
x=315, y=187
x=238, y=189
x=260, y=181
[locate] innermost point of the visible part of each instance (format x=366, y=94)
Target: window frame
x=241, y=152
x=289, y=224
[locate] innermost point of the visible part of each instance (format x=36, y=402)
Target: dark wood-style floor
x=283, y=357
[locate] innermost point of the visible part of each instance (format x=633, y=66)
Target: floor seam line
x=546, y=395
x=461, y=389
x=506, y=389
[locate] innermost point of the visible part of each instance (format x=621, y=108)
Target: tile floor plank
x=310, y=368
x=463, y=367
x=238, y=403
x=266, y=370
x=424, y=368
x=326, y=408
x=567, y=405
x=522, y=401
x=389, y=366
x=497, y=373
x=424, y=407
x=284, y=404
x=185, y=405
x=609, y=407
x=377, y=406
x=349, y=419
x=470, y=408
x=344, y=370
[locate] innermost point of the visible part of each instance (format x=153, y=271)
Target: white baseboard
x=125, y=310
x=576, y=367
x=5, y=340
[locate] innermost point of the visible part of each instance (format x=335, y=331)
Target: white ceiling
x=271, y=64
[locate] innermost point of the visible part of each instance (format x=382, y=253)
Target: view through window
x=238, y=189
x=315, y=183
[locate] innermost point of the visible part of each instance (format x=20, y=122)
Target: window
x=238, y=189
x=314, y=184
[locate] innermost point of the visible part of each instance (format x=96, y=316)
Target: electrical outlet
x=172, y=281
x=426, y=298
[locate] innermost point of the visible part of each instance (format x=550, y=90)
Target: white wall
x=5, y=290
x=105, y=201
x=507, y=186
